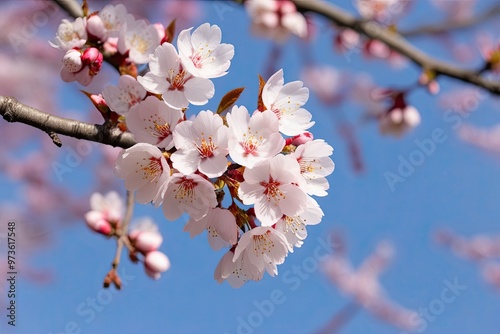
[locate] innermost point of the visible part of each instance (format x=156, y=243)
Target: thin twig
x=124, y=228
x=396, y=42
x=14, y=111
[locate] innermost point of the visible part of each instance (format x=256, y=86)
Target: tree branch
x=14, y=111
x=72, y=7
x=449, y=25
x=396, y=42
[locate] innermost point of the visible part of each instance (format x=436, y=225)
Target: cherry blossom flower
x=188, y=193
x=145, y=171
x=294, y=228
x=70, y=35
x=328, y=83
x=347, y=39
x=484, y=138
x=238, y=272
x=483, y=249
x=155, y=263
x=380, y=10
x=91, y=62
x=276, y=19
x=107, y=22
x=122, y=97
x=221, y=226
x=201, y=145
x=315, y=165
x=477, y=248
x=153, y=121
x=72, y=61
x=363, y=285
x=168, y=77
x=398, y=121
x=457, y=10
x=145, y=236
x=285, y=101
x=272, y=187
x=202, y=53
x=260, y=248
x=105, y=212
x=139, y=38
x=253, y=139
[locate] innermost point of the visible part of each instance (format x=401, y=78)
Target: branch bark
x=396, y=42
x=14, y=111
x=71, y=7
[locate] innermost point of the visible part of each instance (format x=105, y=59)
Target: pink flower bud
x=95, y=220
x=155, y=263
x=93, y=58
x=96, y=28
x=147, y=241
x=302, y=138
x=72, y=61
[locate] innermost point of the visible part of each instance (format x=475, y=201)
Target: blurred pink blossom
x=363, y=286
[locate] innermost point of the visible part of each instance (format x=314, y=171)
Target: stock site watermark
x=11, y=273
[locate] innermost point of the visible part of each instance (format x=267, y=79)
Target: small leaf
x=260, y=103
x=229, y=99
x=85, y=8
x=170, y=32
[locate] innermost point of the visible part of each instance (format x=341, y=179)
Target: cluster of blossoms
x=189, y=165
x=106, y=217
x=362, y=284
x=265, y=160
x=111, y=33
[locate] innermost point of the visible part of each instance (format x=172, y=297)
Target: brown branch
x=72, y=7
x=396, y=42
x=450, y=25
x=14, y=111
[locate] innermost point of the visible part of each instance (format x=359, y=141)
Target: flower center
x=206, y=149
x=153, y=169
x=272, y=190
x=262, y=244
x=163, y=131
x=196, y=59
x=133, y=99
x=178, y=80
x=139, y=43
x=185, y=190
x=250, y=144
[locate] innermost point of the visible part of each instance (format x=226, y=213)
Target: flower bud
x=96, y=28
x=95, y=220
x=155, y=263
x=72, y=61
x=302, y=138
x=147, y=241
x=93, y=58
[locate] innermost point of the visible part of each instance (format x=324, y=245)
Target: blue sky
x=456, y=186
